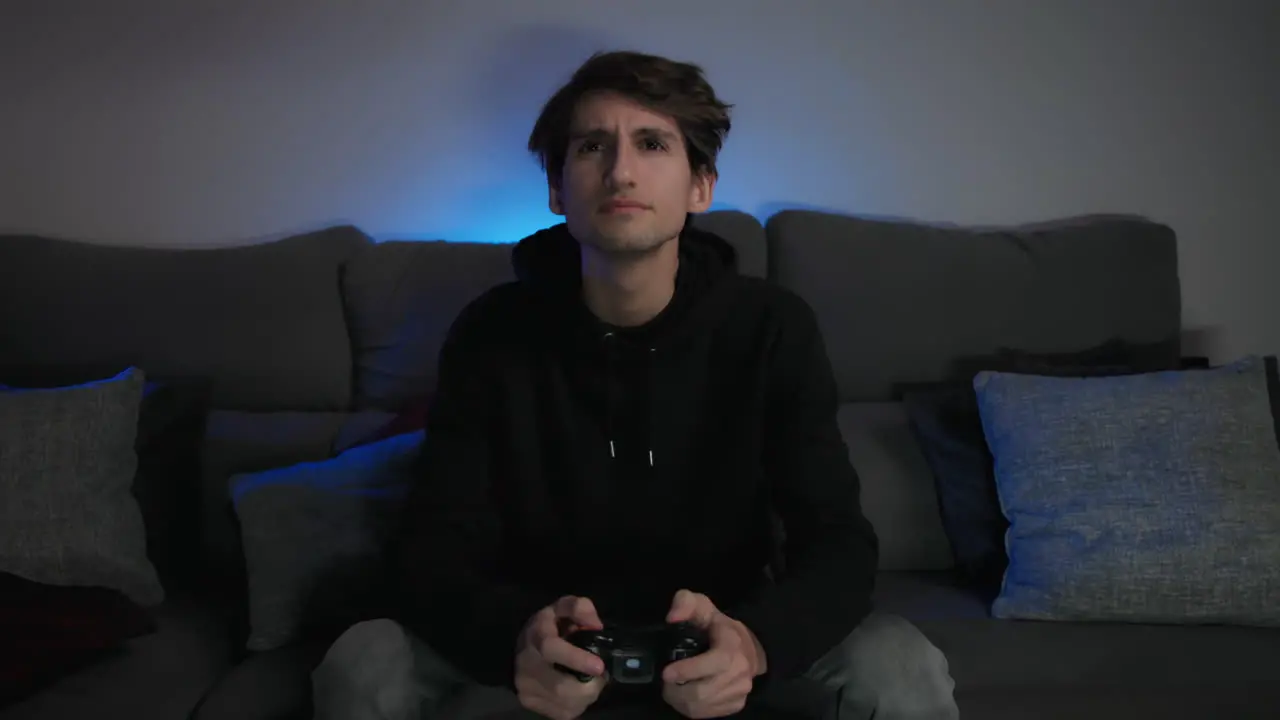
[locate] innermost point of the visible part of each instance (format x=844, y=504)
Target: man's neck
x=629, y=290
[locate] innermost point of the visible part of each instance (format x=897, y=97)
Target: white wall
x=219, y=121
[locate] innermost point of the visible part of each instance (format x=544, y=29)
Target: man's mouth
x=623, y=206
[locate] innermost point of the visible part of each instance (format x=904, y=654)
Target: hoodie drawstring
x=649, y=384
x=646, y=393
x=608, y=394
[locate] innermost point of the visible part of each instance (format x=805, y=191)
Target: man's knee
x=889, y=665
x=369, y=672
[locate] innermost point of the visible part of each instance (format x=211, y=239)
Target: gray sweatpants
x=884, y=669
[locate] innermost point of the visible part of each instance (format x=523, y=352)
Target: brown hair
x=672, y=88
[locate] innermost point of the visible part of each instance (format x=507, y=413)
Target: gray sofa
x=315, y=339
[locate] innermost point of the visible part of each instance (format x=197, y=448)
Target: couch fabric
x=79, y=524
x=263, y=322
x=311, y=341
x=1170, y=480
x=899, y=302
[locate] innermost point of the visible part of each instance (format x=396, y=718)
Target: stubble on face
x=627, y=187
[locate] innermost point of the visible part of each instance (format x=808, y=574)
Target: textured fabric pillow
x=51, y=631
x=1141, y=498
x=67, y=464
x=313, y=536
x=946, y=424
x=944, y=418
x=171, y=423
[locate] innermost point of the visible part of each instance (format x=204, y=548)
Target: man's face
x=627, y=185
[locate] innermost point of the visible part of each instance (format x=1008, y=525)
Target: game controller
x=637, y=655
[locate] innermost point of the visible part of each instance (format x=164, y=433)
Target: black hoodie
x=567, y=457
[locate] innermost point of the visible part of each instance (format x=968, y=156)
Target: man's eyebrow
x=597, y=133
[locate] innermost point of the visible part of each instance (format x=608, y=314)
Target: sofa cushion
x=987, y=653
x=67, y=466
x=236, y=442
x=744, y=233
x=271, y=685
x=1116, y=702
x=264, y=322
x=898, y=301
x=1145, y=498
x=364, y=426
x=166, y=484
x=161, y=676
x=314, y=536
x=897, y=489
x=945, y=421
x=51, y=631
x=402, y=297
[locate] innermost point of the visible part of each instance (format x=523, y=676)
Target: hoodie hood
x=550, y=261
x=621, y=367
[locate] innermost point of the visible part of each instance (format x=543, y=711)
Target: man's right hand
x=541, y=687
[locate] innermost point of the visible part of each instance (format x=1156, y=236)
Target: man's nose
x=621, y=170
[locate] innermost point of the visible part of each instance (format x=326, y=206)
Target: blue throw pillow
x=1141, y=498
x=313, y=537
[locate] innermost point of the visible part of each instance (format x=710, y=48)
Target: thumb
x=579, y=611
x=684, y=606
x=586, y=616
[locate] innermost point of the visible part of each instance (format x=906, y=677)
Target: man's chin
x=627, y=244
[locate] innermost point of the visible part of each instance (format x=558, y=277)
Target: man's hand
x=717, y=682
x=540, y=686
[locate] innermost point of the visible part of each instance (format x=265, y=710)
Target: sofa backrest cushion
x=402, y=296
x=898, y=302
x=264, y=323
x=897, y=486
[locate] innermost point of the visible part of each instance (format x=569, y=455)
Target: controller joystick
x=637, y=656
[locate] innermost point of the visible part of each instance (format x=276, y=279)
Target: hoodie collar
x=549, y=262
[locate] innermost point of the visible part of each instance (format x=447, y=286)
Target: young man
x=612, y=437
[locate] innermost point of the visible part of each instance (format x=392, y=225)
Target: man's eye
x=590, y=147
x=656, y=145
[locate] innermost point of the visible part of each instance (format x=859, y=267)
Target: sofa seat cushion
x=161, y=676
x=987, y=653
x=271, y=685
x=1115, y=703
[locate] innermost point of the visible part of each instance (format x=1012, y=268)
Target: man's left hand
x=717, y=682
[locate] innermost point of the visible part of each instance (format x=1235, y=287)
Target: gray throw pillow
x=314, y=534
x=67, y=462
x=1141, y=498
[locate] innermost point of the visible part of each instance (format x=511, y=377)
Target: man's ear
x=553, y=198
x=702, y=191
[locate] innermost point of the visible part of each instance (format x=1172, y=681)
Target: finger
x=714, y=697
x=541, y=627
x=682, y=607
x=579, y=611
x=699, y=667
x=567, y=688
x=723, y=634
x=691, y=607
x=556, y=650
